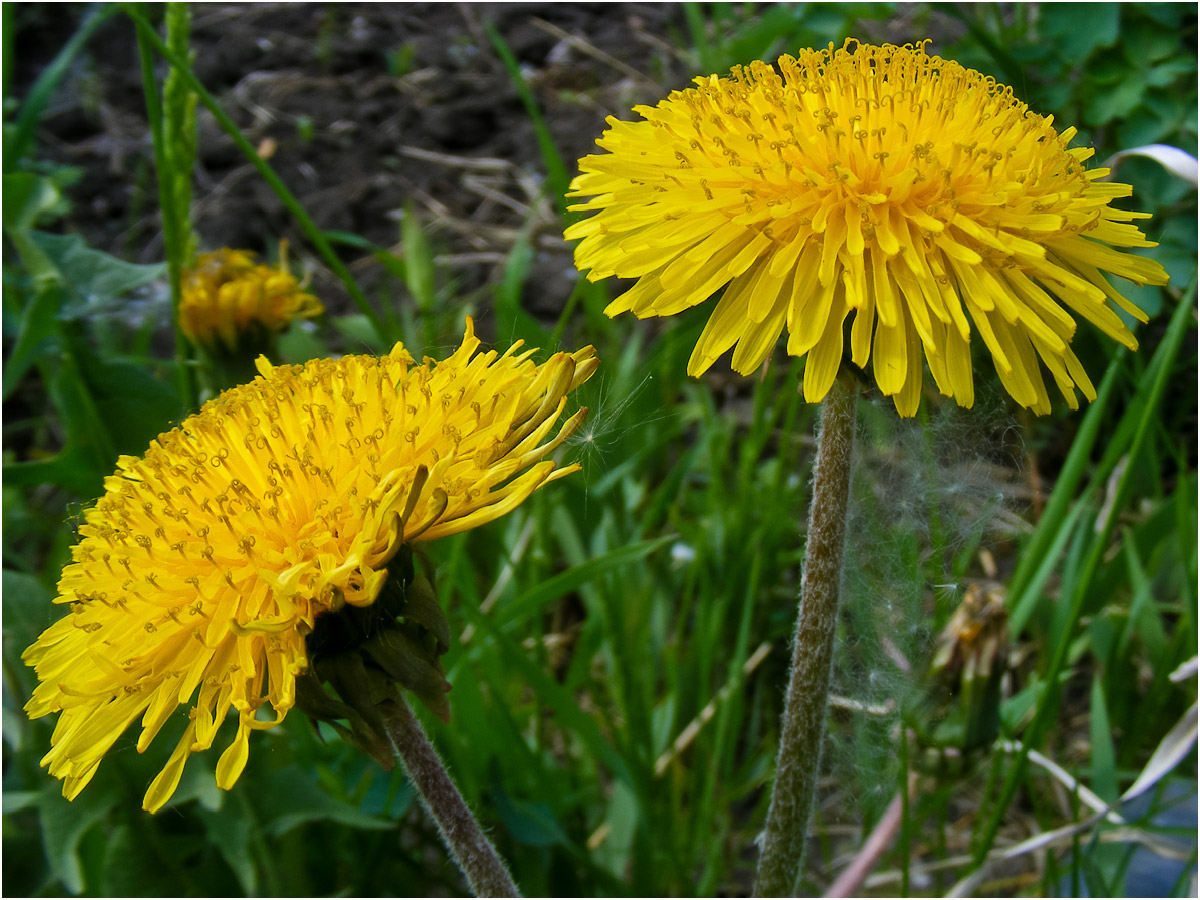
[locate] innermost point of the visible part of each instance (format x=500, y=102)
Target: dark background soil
x=361, y=108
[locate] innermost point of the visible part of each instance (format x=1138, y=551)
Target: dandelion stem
x=474, y=853
x=799, y=759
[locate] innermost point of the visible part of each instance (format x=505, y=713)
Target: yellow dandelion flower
x=201, y=570
x=917, y=194
x=228, y=297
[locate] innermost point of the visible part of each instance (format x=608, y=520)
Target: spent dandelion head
x=207, y=562
x=917, y=194
x=230, y=301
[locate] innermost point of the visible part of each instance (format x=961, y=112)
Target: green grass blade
x=1066, y=488
x=1104, y=754
x=558, y=181
x=1157, y=373
x=535, y=598
x=42, y=90
x=566, y=709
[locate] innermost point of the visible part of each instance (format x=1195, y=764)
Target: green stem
x=474, y=853
x=799, y=760
x=307, y=225
x=170, y=219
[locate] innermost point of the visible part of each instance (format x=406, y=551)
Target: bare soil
x=361, y=109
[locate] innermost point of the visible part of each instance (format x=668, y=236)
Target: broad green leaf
x=27, y=199
x=360, y=334
x=133, y=869
x=92, y=275
x=290, y=797
x=1144, y=42
x=15, y=801
x=528, y=821
x=299, y=344
x=134, y=406
x=622, y=820
x=73, y=469
x=760, y=37
x=1078, y=29
x=38, y=335
x=64, y=823
x=1115, y=101
x=27, y=610
x=229, y=832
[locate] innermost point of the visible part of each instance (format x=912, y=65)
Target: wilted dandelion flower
x=917, y=194
x=229, y=299
x=203, y=567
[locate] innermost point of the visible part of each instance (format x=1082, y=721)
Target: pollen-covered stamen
x=881, y=182
x=208, y=560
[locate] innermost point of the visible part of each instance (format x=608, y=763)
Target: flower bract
x=874, y=196
x=228, y=297
x=198, y=574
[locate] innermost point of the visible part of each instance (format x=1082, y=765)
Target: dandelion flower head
x=202, y=568
x=918, y=195
x=228, y=295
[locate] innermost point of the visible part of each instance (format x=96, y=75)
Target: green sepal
x=360, y=657
x=407, y=658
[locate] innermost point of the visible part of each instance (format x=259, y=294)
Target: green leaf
x=15, y=801
x=300, y=343
x=1116, y=101
x=131, y=871
x=134, y=406
x=93, y=275
x=73, y=469
x=622, y=820
x=758, y=39
x=1167, y=73
x=510, y=317
x=1096, y=884
x=1143, y=127
x=27, y=610
x=38, y=335
x=1144, y=42
x=418, y=260
x=290, y=797
x=64, y=823
x=1079, y=28
x=557, y=179
x=361, y=334
x=1108, y=69
x=1104, y=755
x=1017, y=709
x=229, y=832
x=529, y=822
x=27, y=198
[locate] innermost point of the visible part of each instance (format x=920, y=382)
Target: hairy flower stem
x=799, y=760
x=474, y=853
